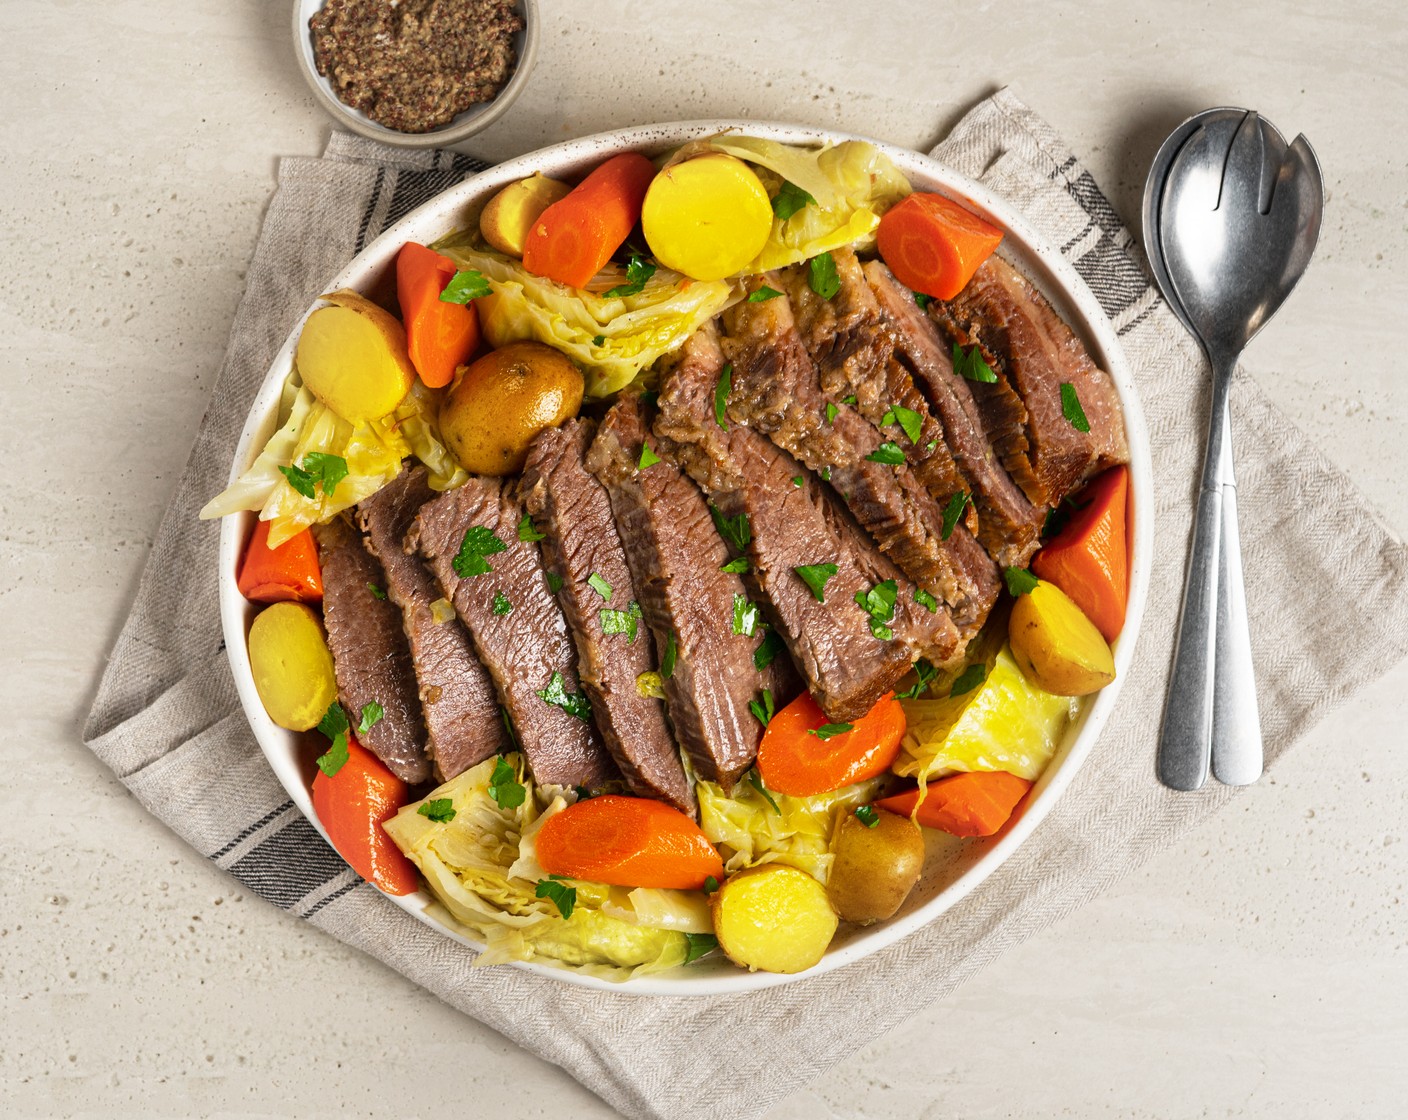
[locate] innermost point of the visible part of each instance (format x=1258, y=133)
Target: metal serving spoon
x=1231, y=217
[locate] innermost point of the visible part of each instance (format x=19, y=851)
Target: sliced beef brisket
x=469, y=537
x=462, y=718
x=1008, y=523
x=370, y=657
x=598, y=596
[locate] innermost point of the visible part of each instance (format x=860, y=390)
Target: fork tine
x=1245, y=174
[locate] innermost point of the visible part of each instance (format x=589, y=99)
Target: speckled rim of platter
x=952, y=869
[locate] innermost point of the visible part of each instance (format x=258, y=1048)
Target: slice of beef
x=582, y=547
x=1036, y=353
x=370, y=657
x=1008, y=522
x=776, y=390
x=850, y=344
x=676, y=559
x=462, y=719
x=517, y=626
x=794, y=521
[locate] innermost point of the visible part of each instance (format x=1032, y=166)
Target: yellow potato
x=1057, y=648
x=292, y=665
x=873, y=869
x=505, y=222
x=352, y=357
x=707, y=217
x=773, y=917
x=497, y=405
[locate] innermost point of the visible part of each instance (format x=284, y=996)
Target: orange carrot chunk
x=352, y=805
x=628, y=842
x=933, y=245
x=575, y=236
x=803, y=754
x=1089, y=558
x=976, y=804
x=276, y=575
x=440, y=336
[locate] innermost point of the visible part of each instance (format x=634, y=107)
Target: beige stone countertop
x=1256, y=969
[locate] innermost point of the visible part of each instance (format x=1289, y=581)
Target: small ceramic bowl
x=466, y=124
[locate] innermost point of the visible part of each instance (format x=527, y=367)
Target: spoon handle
x=1236, y=722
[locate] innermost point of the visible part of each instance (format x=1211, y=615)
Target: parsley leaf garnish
x=1070, y=409
x=850, y=399
x=648, y=458
x=867, y=815
x=737, y=566
x=755, y=780
x=710, y=884
x=831, y=730
x=797, y=481
x=721, y=392
x=888, y=452
x=377, y=592
x=1019, y=580
x=554, y=582
x=789, y=199
x=439, y=809
x=922, y=300
x=667, y=662
x=879, y=604
x=638, y=271
x=699, y=944
x=969, y=363
x=318, y=468
x=925, y=600
x=926, y=672
x=763, y=294
x=831, y=411
x=621, y=622
x=600, y=586
x=969, y=679
x=561, y=896
x=478, y=543
x=465, y=285
x=821, y=275
x=767, y=650
x=573, y=703
x=909, y=420
x=953, y=513
x=371, y=716
x=736, y=530
x=815, y=577
x=747, y=619
x=334, y=721
x=527, y=531
x=502, y=604
x=763, y=709
x=335, y=726
x=509, y=729
x=825, y=473
x=599, y=340
x=504, y=786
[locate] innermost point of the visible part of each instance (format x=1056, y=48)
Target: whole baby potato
x=499, y=403
x=1057, y=648
x=874, y=869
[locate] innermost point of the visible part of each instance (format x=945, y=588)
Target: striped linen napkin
x=168, y=723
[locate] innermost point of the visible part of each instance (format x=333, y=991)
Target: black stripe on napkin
x=289, y=865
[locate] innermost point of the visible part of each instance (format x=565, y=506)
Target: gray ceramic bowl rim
x=467, y=124
x=1046, y=266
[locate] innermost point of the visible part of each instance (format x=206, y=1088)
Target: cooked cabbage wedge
x=372, y=449
x=1006, y=723
x=798, y=832
x=613, y=338
x=482, y=867
x=853, y=183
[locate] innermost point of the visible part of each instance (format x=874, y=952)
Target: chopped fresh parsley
x=933, y=443
x=648, y=458
x=621, y=622
x=1070, y=409
x=867, y=815
x=815, y=577
x=478, y=543
x=737, y=566
x=638, y=271
x=969, y=363
x=377, y=592
x=1059, y=516
x=504, y=786
x=527, y=531
x=319, y=469
x=763, y=708
x=722, y=388
x=831, y=730
x=888, y=452
x=825, y=473
x=747, y=619
x=583, y=793
x=921, y=299
x=831, y=411
x=699, y=945
x=599, y=340
x=797, y=481
x=736, y=530
x=926, y=672
x=763, y=294
x=925, y=600
x=600, y=586
x=755, y=780
x=335, y=726
x=573, y=703
x=1019, y=580
x=850, y=399
x=561, y=896
x=969, y=679
x=502, y=604
x=465, y=285
x=821, y=275
x=371, y=716
x=710, y=884
x=908, y=419
x=439, y=809
x=554, y=582
x=509, y=729
x=789, y=199
x=667, y=662
x=767, y=650
x=879, y=604
x=953, y=513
